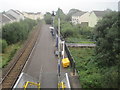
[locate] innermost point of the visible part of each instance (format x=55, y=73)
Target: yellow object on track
x=65, y=62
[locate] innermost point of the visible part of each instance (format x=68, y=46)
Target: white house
x=95, y=16
x=76, y=16
x=84, y=19
x=89, y=18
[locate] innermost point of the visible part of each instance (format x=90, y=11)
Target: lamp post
x=59, y=58
x=59, y=51
x=53, y=16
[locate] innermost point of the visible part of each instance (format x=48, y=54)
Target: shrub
x=17, y=31
x=3, y=45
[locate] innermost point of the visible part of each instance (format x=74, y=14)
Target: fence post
x=73, y=68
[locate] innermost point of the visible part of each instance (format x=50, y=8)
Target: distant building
x=76, y=17
x=17, y=14
x=33, y=16
x=84, y=19
x=10, y=16
x=6, y=18
x=89, y=18
x=95, y=16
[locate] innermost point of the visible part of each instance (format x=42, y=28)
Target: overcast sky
x=52, y=5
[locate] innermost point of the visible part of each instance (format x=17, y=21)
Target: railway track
x=13, y=73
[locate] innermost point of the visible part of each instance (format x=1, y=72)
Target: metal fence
x=72, y=61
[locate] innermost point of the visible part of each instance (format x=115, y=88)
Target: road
x=43, y=60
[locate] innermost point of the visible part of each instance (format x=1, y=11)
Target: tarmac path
x=43, y=62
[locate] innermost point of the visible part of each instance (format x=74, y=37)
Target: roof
x=15, y=12
x=4, y=19
x=100, y=13
x=19, y=12
x=10, y=16
x=78, y=13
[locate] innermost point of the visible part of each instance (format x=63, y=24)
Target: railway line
x=12, y=74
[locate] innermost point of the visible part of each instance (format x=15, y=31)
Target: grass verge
x=8, y=54
x=78, y=40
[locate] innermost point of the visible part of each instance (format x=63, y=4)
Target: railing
x=72, y=61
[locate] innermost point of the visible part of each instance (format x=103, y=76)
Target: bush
x=76, y=31
x=108, y=42
x=67, y=30
x=17, y=31
x=3, y=45
x=110, y=77
x=48, y=18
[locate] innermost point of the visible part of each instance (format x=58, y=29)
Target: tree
x=60, y=14
x=48, y=18
x=108, y=40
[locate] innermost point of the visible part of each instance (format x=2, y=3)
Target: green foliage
x=97, y=68
x=110, y=77
x=17, y=31
x=100, y=69
x=107, y=36
x=90, y=75
x=8, y=54
x=48, y=18
x=60, y=14
x=72, y=32
x=79, y=39
x=3, y=45
x=69, y=31
x=12, y=34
